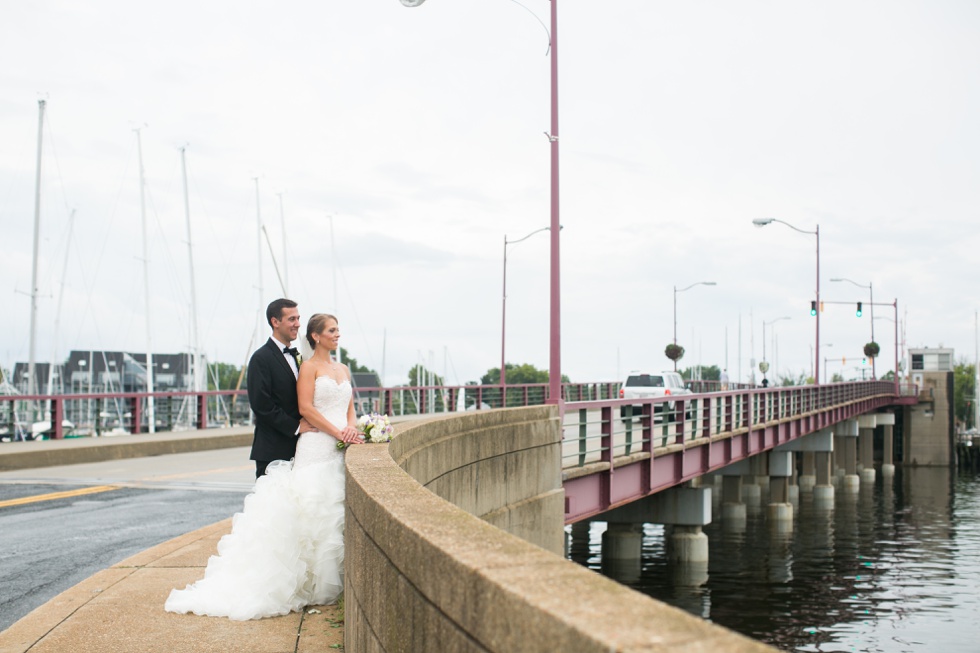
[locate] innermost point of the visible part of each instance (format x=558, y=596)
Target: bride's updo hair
x=317, y=324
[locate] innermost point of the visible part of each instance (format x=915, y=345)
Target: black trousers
x=260, y=466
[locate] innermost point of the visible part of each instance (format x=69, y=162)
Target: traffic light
x=813, y=307
x=859, y=311
x=864, y=361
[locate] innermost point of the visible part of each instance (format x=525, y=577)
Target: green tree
x=420, y=376
x=518, y=375
x=354, y=366
x=223, y=376
x=964, y=392
x=801, y=379
x=708, y=373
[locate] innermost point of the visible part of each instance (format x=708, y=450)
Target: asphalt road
x=60, y=525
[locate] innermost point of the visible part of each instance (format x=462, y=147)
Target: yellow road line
x=58, y=495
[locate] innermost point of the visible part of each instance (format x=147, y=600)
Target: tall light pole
x=764, y=324
x=895, y=320
x=554, y=366
x=503, y=312
x=699, y=283
x=761, y=222
x=871, y=303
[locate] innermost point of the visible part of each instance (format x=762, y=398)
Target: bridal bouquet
x=375, y=427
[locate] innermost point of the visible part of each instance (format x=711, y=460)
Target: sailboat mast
x=57, y=315
x=285, y=261
x=150, y=412
x=336, y=297
x=195, y=343
x=31, y=360
x=258, y=242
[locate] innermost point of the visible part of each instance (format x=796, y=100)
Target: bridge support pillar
x=848, y=432
x=887, y=422
x=687, y=544
x=793, y=490
x=732, y=508
x=780, y=471
x=621, y=546
x=866, y=456
x=823, y=491
x=809, y=476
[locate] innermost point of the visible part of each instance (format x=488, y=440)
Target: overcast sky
x=404, y=144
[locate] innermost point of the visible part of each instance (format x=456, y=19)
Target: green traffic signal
x=813, y=307
x=859, y=311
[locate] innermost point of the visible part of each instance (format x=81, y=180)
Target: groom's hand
x=305, y=426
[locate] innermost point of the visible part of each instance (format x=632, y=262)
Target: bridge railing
x=598, y=432
x=95, y=414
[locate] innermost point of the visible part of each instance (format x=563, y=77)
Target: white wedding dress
x=286, y=548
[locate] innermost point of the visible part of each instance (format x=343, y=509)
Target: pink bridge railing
x=55, y=416
x=616, y=451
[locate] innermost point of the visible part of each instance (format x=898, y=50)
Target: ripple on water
x=894, y=570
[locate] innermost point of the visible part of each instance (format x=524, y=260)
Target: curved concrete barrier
x=424, y=572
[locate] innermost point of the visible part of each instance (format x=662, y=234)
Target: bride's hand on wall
x=350, y=435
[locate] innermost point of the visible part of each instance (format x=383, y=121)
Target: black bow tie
x=291, y=350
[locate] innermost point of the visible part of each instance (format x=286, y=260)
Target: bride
x=286, y=548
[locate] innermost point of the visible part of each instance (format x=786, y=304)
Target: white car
x=643, y=385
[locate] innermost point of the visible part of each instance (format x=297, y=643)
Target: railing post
x=57, y=417
x=136, y=411
x=606, y=455
x=202, y=411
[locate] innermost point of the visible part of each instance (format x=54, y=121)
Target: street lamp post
x=894, y=305
x=554, y=366
x=761, y=222
x=503, y=312
x=764, y=323
x=871, y=303
x=699, y=283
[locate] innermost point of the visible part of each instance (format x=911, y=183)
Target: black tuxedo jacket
x=272, y=396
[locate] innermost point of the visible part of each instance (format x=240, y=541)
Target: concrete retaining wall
x=425, y=573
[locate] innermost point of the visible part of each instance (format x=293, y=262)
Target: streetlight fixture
x=764, y=323
x=871, y=303
x=503, y=327
x=554, y=366
x=761, y=222
x=699, y=283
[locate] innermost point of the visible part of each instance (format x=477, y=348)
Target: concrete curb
x=48, y=453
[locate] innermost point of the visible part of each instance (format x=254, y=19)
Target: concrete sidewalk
x=120, y=609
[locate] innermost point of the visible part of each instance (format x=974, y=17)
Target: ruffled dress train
x=286, y=548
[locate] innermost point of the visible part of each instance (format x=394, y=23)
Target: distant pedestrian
x=724, y=379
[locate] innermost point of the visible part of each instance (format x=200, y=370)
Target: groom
x=272, y=373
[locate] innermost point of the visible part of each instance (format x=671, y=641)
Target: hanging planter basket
x=674, y=352
x=871, y=349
